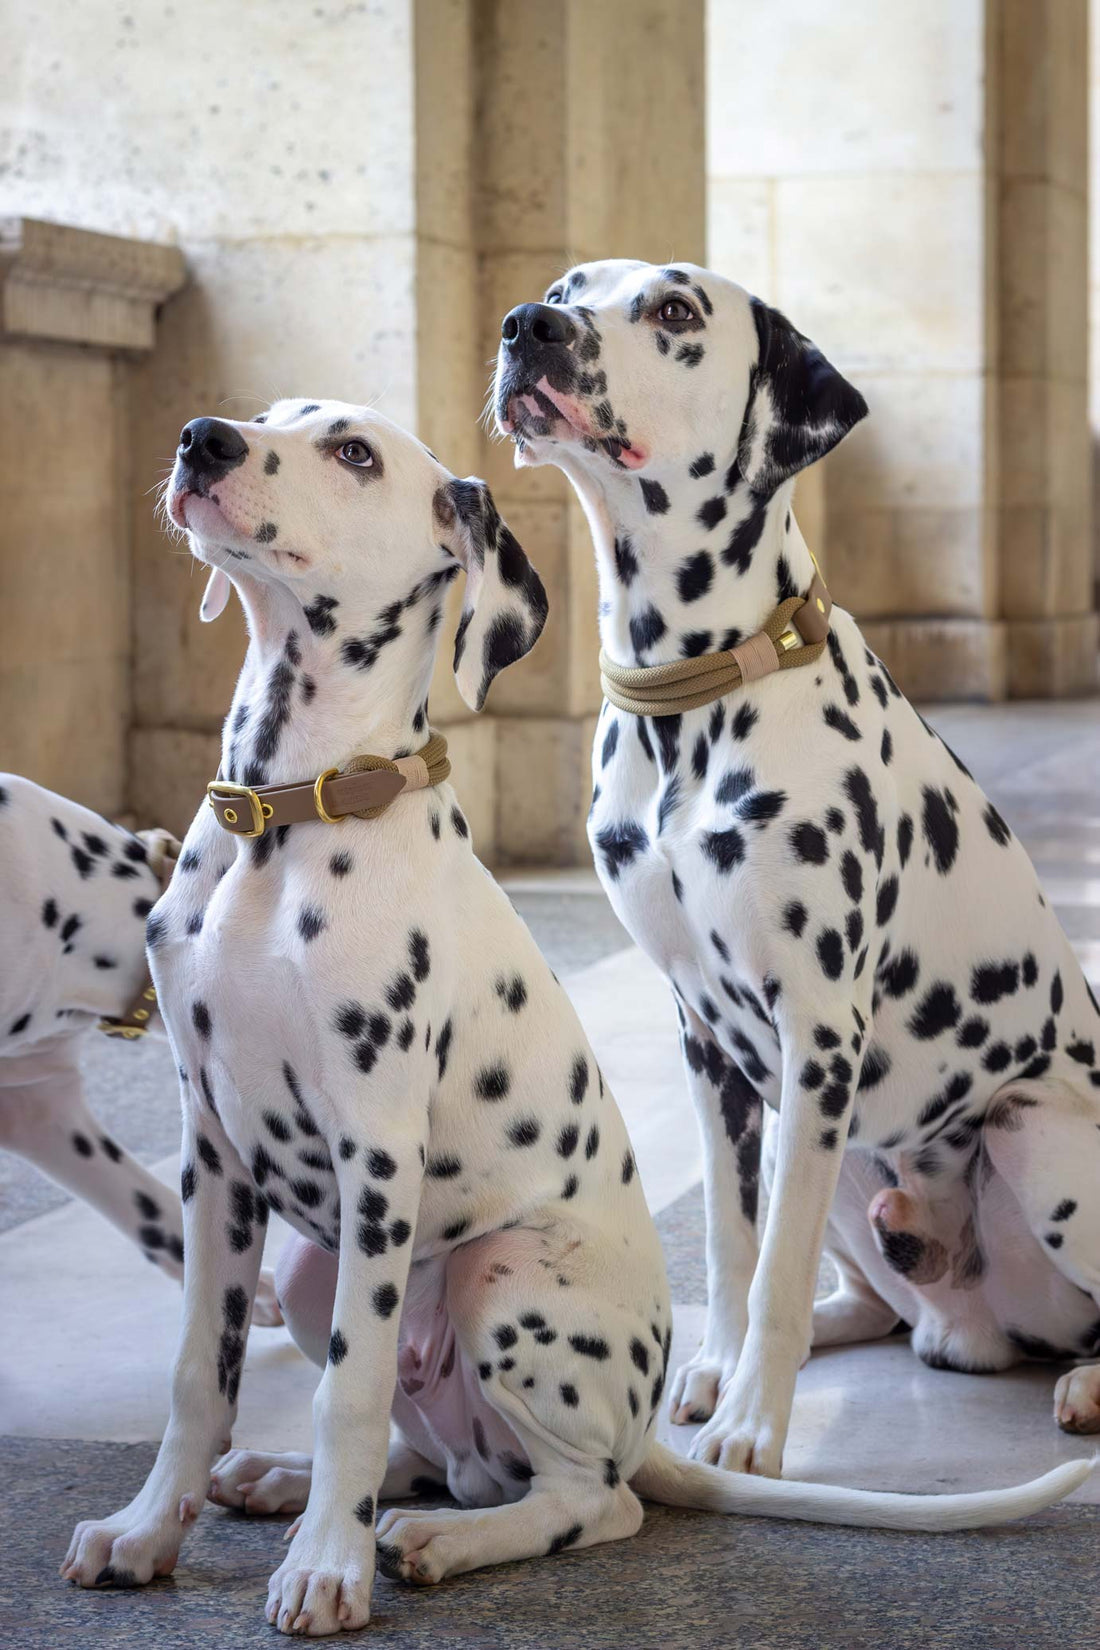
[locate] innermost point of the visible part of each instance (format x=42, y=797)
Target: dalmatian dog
x=853, y=934
x=370, y=1044
x=75, y=891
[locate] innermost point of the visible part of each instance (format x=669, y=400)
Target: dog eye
x=554, y=297
x=675, y=309
x=357, y=453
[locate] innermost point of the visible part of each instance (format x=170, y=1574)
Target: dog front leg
x=729, y=1114
x=224, y=1221
x=324, y=1584
x=820, y=1069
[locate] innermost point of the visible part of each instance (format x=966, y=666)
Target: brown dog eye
x=357, y=453
x=675, y=309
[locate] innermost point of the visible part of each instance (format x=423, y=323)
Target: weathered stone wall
x=908, y=183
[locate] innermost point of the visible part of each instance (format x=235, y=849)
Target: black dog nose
x=211, y=445
x=529, y=324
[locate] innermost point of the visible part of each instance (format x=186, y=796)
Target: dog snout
x=529, y=327
x=210, y=447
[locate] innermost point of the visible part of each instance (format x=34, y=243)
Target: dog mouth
x=215, y=528
x=538, y=411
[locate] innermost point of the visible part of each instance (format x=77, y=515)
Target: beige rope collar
x=365, y=787
x=688, y=684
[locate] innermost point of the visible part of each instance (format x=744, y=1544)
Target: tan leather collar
x=794, y=635
x=365, y=788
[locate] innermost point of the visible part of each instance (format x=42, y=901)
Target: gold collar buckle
x=259, y=812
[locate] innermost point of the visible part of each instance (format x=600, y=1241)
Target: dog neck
x=700, y=573
x=328, y=680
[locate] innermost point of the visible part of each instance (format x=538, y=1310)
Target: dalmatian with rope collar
x=371, y=1045
x=853, y=934
x=75, y=890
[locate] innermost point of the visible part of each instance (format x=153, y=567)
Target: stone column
x=590, y=144
x=1041, y=183
x=76, y=309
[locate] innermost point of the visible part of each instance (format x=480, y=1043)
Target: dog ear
x=214, y=596
x=505, y=604
x=799, y=405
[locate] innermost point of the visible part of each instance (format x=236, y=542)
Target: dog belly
x=1020, y=1292
x=439, y=1399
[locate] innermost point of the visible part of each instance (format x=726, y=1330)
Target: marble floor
x=91, y=1328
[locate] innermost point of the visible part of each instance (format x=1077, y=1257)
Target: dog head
x=637, y=367
x=345, y=509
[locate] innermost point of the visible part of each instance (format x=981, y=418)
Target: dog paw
x=739, y=1442
x=127, y=1550
x=256, y=1483
x=266, y=1311
x=696, y=1387
x=1077, y=1400
x=322, y=1586
x=419, y=1547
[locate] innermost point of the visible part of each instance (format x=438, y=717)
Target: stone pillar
x=590, y=144
x=75, y=310
x=1046, y=557
x=919, y=211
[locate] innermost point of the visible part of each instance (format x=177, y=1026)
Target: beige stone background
x=203, y=208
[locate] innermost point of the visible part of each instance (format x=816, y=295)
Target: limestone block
x=543, y=790
x=66, y=284
x=64, y=574
x=863, y=87
x=63, y=724
x=265, y=120
x=1043, y=65
x=472, y=746
x=520, y=184
x=935, y=659
x=170, y=769
x=887, y=562
x=740, y=230
x=535, y=684
x=1043, y=280
x=1052, y=658
x=450, y=375
x=445, y=116
x=924, y=443
x=885, y=273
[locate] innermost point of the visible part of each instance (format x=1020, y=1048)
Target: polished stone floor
x=91, y=1328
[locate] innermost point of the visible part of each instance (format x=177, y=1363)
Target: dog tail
x=676, y=1482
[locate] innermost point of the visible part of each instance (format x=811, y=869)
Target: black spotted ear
x=799, y=405
x=505, y=605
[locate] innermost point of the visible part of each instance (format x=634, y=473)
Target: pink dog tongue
x=215, y=596
x=575, y=414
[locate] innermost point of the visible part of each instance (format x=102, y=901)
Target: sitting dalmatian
x=75, y=892
x=370, y=1044
x=853, y=934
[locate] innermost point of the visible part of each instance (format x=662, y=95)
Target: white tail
x=676, y=1482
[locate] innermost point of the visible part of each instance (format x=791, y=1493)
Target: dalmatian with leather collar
x=370, y=1044
x=75, y=891
x=853, y=934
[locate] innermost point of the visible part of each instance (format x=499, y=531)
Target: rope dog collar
x=162, y=852
x=365, y=787
x=687, y=684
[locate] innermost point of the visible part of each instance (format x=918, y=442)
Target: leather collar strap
x=794, y=635
x=365, y=788
x=162, y=852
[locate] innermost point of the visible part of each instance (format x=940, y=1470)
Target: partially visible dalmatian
x=75, y=891
x=853, y=934
x=371, y=1045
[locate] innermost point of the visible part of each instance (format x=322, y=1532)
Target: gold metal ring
x=322, y=812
